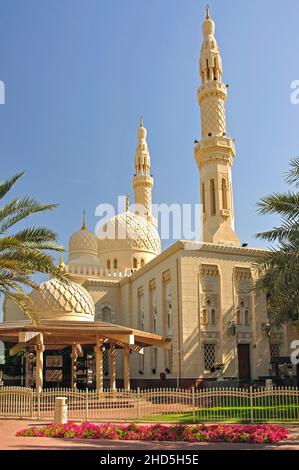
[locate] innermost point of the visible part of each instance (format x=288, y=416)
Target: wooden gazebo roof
x=63, y=333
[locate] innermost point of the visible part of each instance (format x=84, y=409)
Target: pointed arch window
x=108, y=263
x=203, y=198
x=115, y=263
x=243, y=313
x=135, y=263
x=106, y=314
x=224, y=193
x=213, y=197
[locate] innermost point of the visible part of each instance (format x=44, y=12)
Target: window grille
x=209, y=355
x=274, y=351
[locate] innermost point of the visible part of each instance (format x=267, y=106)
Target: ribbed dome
x=55, y=299
x=129, y=231
x=83, y=242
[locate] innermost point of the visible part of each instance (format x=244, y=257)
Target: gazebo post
x=39, y=363
x=74, y=356
x=126, y=350
x=98, y=349
x=112, y=366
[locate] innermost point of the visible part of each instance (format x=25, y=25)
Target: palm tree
x=278, y=268
x=25, y=252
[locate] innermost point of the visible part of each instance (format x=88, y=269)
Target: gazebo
x=50, y=334
x=63, y=316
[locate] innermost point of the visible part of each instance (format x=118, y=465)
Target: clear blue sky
x=78, y=73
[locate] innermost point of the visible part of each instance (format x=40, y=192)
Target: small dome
x=83, y=242
x=129, y=231
x=59, y=300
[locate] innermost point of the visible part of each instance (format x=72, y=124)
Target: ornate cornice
x=242, y=273
x=209, y=270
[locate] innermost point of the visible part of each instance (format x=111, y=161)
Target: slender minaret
x=143, y=181
x=215, y=152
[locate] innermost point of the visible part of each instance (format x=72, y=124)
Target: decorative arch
x=105, y=311
x=224, y=193
x=209, y=311
x=243, y=312
x=213, y=197
x=203, y=197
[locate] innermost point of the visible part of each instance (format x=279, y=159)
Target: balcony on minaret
x=207, y=149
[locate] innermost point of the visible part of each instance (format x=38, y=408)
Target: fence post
x=138, y=403
x=86, y=403
x=193, y=405
x=251, y=404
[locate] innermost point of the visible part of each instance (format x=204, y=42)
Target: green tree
x=278, y=268
x=25, y=252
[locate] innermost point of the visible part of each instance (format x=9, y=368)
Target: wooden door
x=244, y=361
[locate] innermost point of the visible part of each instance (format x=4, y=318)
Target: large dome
x=128, y=231
x=59, y=300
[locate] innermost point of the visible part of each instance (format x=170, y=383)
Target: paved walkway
x=9, y=441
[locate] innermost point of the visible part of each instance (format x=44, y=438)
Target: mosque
x=177, y=317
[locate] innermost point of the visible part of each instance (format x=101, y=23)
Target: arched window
x=213, y=316
x=209, y=312
x=115, y=263
x=243, y=316
x=106, y=314
x=135, y=263
x=224, y=194
x=208, y=70
x=203, y=198
x=105, y=311
x=142, y=262
x=213, y=197
x=108, y=263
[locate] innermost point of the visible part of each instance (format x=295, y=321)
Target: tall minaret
x=143, y=181
x=215, y=152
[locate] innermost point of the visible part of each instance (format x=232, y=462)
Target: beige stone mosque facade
x=196, y=294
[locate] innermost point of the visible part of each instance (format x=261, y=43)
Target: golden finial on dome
x=207, y=12
x=127, y=202
x=84, y=221
x=61, y=263
x=141, y=121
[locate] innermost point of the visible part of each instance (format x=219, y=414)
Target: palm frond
x=286, y=231
x=292, y=176
x=20, y=209
x=284, y=204
x=6, y=185
x=26, y=252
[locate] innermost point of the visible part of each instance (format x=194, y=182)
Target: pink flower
x=266, y=433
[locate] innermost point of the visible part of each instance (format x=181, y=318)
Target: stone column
x=112, y=366
x=39, y=363
x=74, y=357
x=126, y=368
x=98, y=349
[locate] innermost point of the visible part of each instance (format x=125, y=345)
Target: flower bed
x=265, y=433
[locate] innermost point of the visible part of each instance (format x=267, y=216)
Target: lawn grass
x=234, y=414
